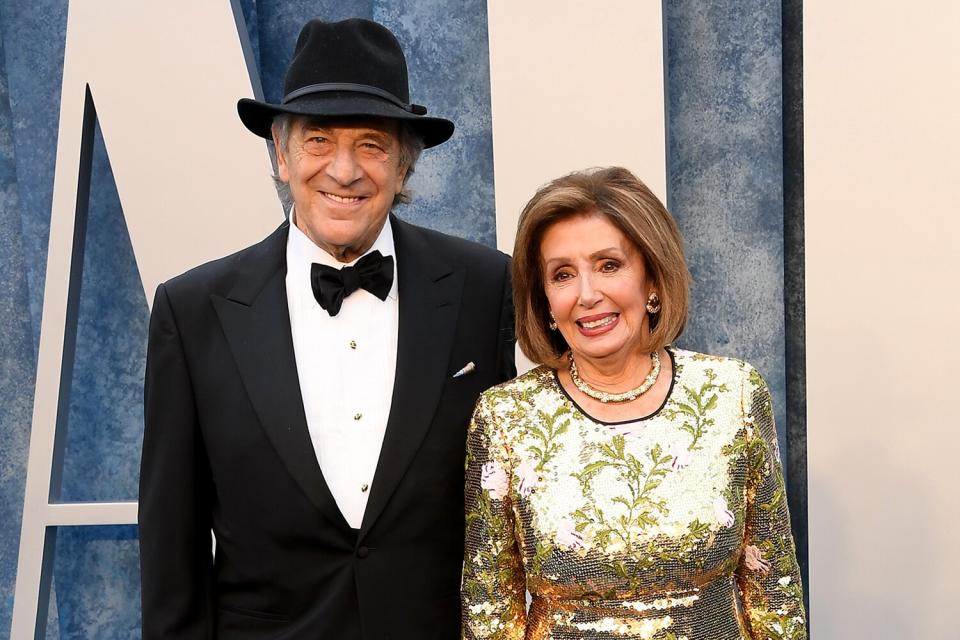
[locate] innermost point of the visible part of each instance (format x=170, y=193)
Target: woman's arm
x=768, y=575
x=493, y=598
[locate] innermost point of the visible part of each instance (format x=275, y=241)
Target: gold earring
x=653, y=303
x=553, y=322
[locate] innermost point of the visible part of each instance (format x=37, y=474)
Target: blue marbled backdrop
x=17, y=356
x=725, y=187
x=726, y=177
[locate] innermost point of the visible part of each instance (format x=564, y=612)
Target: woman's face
x=596, y=285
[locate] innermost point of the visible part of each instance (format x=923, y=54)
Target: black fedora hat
x=352, y=68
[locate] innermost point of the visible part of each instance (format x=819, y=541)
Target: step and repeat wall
x=122, y=163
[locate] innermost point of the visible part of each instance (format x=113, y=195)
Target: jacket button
x=363, y=552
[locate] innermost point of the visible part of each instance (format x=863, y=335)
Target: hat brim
x=258, y=116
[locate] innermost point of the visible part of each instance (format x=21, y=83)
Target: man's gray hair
x=411, y=146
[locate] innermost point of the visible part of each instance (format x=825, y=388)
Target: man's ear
x=283, y=171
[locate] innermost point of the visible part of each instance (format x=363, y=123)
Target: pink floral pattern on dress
x=529, y=477
x=568, y=536
x=753, y=558
x=493, y=479
x=723, y=513
x=681, y=457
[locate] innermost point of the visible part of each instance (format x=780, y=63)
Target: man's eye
x=315, y=144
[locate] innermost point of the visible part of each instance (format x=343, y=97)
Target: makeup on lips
x=597, y=324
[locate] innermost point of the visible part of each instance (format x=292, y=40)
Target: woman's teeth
x=599, y=323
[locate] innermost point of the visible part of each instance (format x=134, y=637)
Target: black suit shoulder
x=224, y=275
x=452, y=249
x=457, y=246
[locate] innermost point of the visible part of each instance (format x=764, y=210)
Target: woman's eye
x=560, y=276
x=610, y=266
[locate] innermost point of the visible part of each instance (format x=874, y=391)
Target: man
x=307, y=398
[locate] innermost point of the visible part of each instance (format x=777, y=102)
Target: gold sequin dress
x=674, y=526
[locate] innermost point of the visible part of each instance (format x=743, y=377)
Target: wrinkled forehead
x=385, y=126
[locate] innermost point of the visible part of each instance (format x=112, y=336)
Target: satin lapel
x=256, y=322
x=429, y=292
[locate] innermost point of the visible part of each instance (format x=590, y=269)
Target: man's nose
x=589, y=295
x=343, y=166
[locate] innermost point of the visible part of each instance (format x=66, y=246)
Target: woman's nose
x=589, y=295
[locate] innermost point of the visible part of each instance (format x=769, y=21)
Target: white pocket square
x=467, y=369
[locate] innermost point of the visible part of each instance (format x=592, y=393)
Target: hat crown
x=349, y=69
x=354, y=51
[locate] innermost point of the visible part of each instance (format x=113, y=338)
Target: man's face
x=344, y=175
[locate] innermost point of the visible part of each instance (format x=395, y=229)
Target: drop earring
x=553, y=322
x=653, y=303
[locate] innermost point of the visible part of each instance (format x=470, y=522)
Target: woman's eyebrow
x=605, y=252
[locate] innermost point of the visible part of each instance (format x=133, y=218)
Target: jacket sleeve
x=507, y=340
x=768, y=575
x=493, y=598
x=174, y=513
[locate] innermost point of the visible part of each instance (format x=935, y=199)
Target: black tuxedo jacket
x=226, y=447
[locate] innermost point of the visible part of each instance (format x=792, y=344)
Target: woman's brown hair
x=626, y=202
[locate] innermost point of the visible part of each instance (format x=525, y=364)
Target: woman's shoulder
x=535, y=379
x=723, y=369
x=521, y=390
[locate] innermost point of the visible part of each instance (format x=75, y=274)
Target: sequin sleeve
x=768, y=575
x=494, y=594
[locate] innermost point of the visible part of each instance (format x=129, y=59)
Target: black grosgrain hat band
x=415, y=109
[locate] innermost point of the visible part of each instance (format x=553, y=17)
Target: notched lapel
x=256, y=322
x=430, y=292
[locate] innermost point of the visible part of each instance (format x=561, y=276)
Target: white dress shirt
x=346, y=365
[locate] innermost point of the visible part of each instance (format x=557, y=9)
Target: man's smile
x=341, y=199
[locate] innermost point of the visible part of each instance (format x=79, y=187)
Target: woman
x=632, y=487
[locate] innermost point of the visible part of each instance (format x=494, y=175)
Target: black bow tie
x=372, y=272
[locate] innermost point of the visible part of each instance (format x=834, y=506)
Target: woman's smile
x=597, y=324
